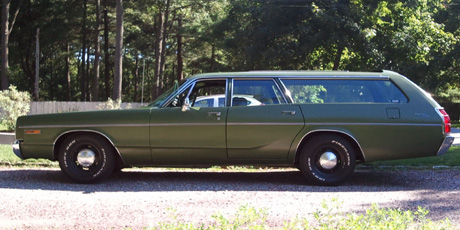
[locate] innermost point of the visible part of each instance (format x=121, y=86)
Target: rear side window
x=256, y=92
x=344, y=91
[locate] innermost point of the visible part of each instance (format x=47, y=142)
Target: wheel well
x=57, y=145
x=359, y=153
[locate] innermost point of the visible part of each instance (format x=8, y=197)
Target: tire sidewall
x=312, y=151
x=104, y=158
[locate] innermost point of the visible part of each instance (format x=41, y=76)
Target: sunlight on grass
x=328, y=217
x=451, y=158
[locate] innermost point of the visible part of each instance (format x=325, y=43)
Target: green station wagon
x=322, y=122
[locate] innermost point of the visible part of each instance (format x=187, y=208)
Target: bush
x=112, y=104
x=13, y=104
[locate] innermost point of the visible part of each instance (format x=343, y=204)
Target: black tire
x=100, y=165
x=327, y=171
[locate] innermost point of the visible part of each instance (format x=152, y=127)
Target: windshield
x=157, y=102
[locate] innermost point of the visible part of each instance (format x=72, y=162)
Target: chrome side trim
x=377, y=124
x=88, y=131
x=82, y=126
x=448, y=140
x=330, y=131
x=185, y=124
x=265, y=123
x=207, y=124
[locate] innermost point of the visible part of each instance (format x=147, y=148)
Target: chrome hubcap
x=86, y=157
x=328, y=160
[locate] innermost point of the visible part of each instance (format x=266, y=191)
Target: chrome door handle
x=217, y=114
x=288, y=112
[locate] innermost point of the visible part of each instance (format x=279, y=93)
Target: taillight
x=446, y=118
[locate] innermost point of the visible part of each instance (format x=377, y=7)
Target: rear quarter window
x=344, y=91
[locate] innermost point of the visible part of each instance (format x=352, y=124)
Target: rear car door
x=260, y=122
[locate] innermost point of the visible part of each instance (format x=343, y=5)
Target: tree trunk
x=83, y=55
x=213, y=57
x=338, y=56
x=136, y=80
x=106, y=53
x=67, y=69
x=163, y=48
x=118, y=52
x=160, y=50
x=95, y=89
x=5, y=36
x=37, y=65
x=180, y=62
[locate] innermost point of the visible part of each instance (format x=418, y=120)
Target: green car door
x=260, y=124
x=182, y=133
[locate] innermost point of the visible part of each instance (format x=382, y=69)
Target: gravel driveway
x=44, y=198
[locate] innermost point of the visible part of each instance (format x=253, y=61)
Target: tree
x=118, y=53
x=161, y=23
x=6, y=29
x=95, y=87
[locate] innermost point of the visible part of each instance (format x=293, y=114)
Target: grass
x=451, y=158
x=8, y=158
x=329, y=217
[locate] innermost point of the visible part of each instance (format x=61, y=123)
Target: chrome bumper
x=448, y=140
x=16, y=149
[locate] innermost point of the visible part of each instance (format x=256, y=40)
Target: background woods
x=92, y=50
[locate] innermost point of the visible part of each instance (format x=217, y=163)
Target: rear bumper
x=17, y=149
x=448, y=140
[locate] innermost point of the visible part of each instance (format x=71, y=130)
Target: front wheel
x=327, y=160
x=86, y=158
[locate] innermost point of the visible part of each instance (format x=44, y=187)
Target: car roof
x=300, y=74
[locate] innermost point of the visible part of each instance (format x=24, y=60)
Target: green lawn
x=7, y=157
x=451, y=158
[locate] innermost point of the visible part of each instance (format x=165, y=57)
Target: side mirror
x=186, y=105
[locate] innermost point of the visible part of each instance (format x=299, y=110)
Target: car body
x=322, y=122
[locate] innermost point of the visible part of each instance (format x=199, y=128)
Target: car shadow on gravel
x=160, y=181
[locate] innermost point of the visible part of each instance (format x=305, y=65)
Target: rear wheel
x=86, y=158
x=327, y=160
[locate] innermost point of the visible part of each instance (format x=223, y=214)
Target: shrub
x=112, y=104
x=13, y=104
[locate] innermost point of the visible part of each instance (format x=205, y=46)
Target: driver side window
x=209, y=93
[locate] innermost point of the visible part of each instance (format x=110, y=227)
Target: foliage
x=13, y=104
x=327, y=218
x=418, y=38
x=110, y=104
x=307, y=93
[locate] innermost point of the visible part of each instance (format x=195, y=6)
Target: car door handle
x=288, y=112
x=217, y=114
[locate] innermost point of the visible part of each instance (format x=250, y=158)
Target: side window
x=209, y=93
x=344, y=91
x=255, y=93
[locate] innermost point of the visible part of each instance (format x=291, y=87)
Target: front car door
x=181, y=133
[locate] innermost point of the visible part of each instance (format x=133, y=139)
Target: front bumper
x=16, y=149
x=448, y=140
